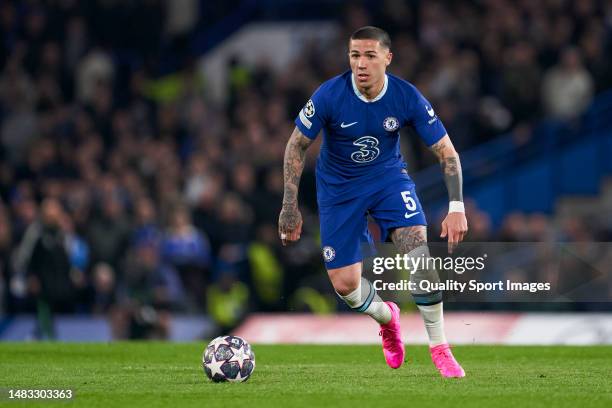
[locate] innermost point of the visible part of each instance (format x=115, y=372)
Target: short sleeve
x=312, y=116
x=424, y=119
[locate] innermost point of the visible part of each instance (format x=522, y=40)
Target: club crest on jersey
x=329, y=253
x=309, y=109
x=391, y=124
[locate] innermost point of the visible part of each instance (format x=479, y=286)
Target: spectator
x=187, y=250
x=235, y=218
x=227, y=301
x=146, y=228
x=19, y=122
x=521, y=78
x=5, y=249
x=108, y=231
x=94, y=69
x=567, y=88
x=514, y=228
x=50, y=278
x=147, y=293
x=104, y=289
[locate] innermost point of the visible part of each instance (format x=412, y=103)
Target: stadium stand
x=158, y=199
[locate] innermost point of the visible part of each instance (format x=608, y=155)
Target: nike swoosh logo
x=411, y=215
x=342, y=125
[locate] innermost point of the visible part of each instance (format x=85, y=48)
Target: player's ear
x=389, y=58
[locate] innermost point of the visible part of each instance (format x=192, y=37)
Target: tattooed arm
x=451, y=167
x=290, y=219
x=454, y=225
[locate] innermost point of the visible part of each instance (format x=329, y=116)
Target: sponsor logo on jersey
x=368, y=149
x=329, y=253
x=345, y=125
x=391, y=124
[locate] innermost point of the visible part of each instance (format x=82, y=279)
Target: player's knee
x=345, y=280
x=344, y=289
x=343, y=285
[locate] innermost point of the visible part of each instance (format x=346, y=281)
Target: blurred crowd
x=125, y=191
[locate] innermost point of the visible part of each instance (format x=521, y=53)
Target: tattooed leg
x=413, y=241
x=407, y=239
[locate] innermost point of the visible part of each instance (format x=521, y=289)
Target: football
x=228, y=358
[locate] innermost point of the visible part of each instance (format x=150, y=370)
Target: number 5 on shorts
x=409, y=201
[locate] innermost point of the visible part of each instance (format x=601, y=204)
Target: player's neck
x=373, y=91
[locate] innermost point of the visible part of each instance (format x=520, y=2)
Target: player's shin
x=434, y=323
x=428, y=302
x=364, y=299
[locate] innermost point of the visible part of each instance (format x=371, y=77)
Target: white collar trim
x=363, y=98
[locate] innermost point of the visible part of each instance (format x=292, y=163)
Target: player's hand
x=289, y=223
x=454, y=227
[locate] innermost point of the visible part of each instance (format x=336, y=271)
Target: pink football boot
x=393, y=346
x=445, y=361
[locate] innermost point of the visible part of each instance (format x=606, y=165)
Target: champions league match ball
x=228, y=358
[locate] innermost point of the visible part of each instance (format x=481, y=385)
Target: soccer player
x=360, y=171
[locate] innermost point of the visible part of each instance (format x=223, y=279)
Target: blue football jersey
x=361, y=137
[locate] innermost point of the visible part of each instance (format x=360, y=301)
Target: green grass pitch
x=166, y=374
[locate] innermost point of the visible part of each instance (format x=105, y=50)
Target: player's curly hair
x=372, y=33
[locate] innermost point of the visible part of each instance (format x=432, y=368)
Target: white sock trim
x=377, y=309
x=353, y=299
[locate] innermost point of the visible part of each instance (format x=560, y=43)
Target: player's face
x=369, y=61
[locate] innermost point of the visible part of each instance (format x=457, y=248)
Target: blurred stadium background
x=142, y=143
